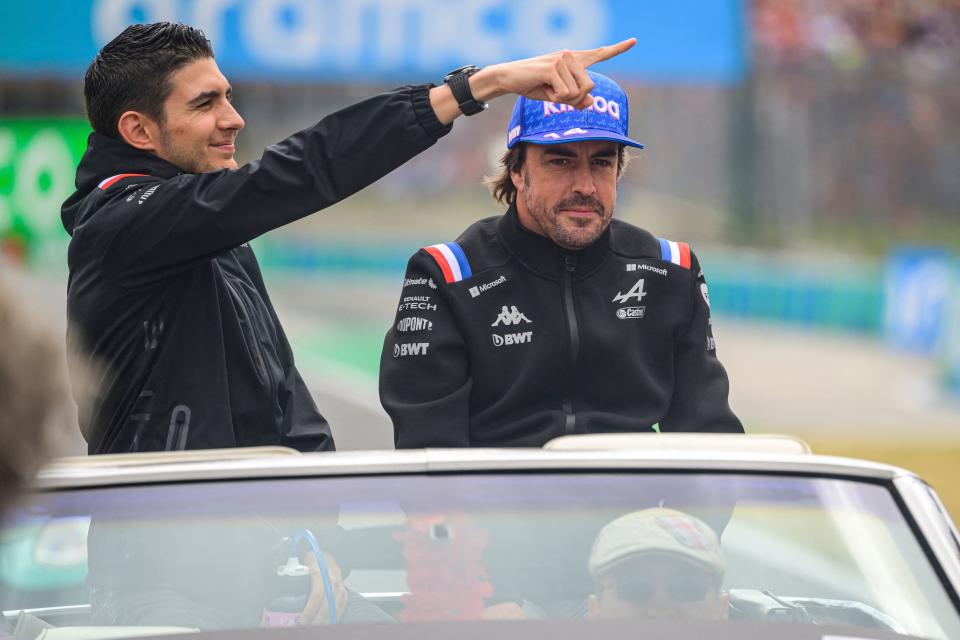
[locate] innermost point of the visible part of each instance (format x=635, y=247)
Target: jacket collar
x=541, y=255
x=106, y=157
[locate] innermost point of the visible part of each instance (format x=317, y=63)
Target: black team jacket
x=166, y=299
x=505, y=339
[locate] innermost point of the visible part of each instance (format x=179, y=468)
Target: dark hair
x=132, y=72
x=501, y=185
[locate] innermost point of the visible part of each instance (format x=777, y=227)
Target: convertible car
x=267, y=542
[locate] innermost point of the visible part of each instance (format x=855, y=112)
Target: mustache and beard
x=568, y=232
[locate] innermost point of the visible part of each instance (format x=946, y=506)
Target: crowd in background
x=848, y=33
x=856, y=105
x=844, y=132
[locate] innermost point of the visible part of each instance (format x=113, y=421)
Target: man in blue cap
x=554, y=318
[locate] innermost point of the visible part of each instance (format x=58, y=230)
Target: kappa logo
x=705, y=293
x=507, y=339
x=600, y=105
x=628, y=313
x=510, y=316
x=636, y=291
x=414, y=324
x=411, y=349
x=477, y=290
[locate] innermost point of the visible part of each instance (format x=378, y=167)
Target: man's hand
x=556, y=77
x=316, y=611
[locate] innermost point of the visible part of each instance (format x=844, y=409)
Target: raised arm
x=560, y=76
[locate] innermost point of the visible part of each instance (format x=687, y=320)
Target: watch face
x=469, y=69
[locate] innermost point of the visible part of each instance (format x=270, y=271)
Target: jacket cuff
x=420, y=97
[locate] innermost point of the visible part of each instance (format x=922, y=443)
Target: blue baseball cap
x=542, y=122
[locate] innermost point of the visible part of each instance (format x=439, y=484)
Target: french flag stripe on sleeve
x=676, y=252
x=109, y=182
x=461, y=259
x=684, y=254
x=451, y=260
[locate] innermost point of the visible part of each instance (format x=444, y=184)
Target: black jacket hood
x=107, y=157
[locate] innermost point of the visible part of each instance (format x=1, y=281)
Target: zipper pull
x=570, y=262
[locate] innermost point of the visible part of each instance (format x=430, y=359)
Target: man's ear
x=517, y=178
x=138, y=130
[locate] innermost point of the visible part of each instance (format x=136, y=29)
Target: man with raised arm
x=165, y=292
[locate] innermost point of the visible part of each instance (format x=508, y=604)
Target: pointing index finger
x=593, y=56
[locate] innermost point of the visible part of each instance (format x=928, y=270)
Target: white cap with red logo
x=656, y=531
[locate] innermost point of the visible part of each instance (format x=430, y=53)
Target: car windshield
x=402, y=548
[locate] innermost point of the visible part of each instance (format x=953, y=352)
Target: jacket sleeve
x=424, y=371
x=701, y=386
x=163, y=226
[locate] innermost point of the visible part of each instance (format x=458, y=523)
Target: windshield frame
x=918, y=507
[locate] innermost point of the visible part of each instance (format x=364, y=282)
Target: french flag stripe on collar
x=109, y=182
x=676, y=252
x=451, y=260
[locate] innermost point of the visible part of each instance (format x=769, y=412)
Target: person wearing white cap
x=657, y=563
x=554, y=318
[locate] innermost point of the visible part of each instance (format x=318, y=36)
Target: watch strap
x=460, y=87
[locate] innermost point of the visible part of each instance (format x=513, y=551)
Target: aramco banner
x=699, y=41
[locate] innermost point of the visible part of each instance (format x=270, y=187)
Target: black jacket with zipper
x=165, y=296
x=539, y=342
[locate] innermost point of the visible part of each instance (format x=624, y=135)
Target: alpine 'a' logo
x=510, y=316
x=636, y=291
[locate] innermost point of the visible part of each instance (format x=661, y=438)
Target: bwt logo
x=415, y=349
x=368, y=36
x=512, y=338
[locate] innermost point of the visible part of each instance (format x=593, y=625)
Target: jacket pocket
x=250, y=339
x=179, y=428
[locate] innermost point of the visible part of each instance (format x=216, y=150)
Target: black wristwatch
x=459, y=81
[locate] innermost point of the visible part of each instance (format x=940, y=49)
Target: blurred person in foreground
x=163, y=287
x=35, y=402
x=657, y=563
x=554, y=318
